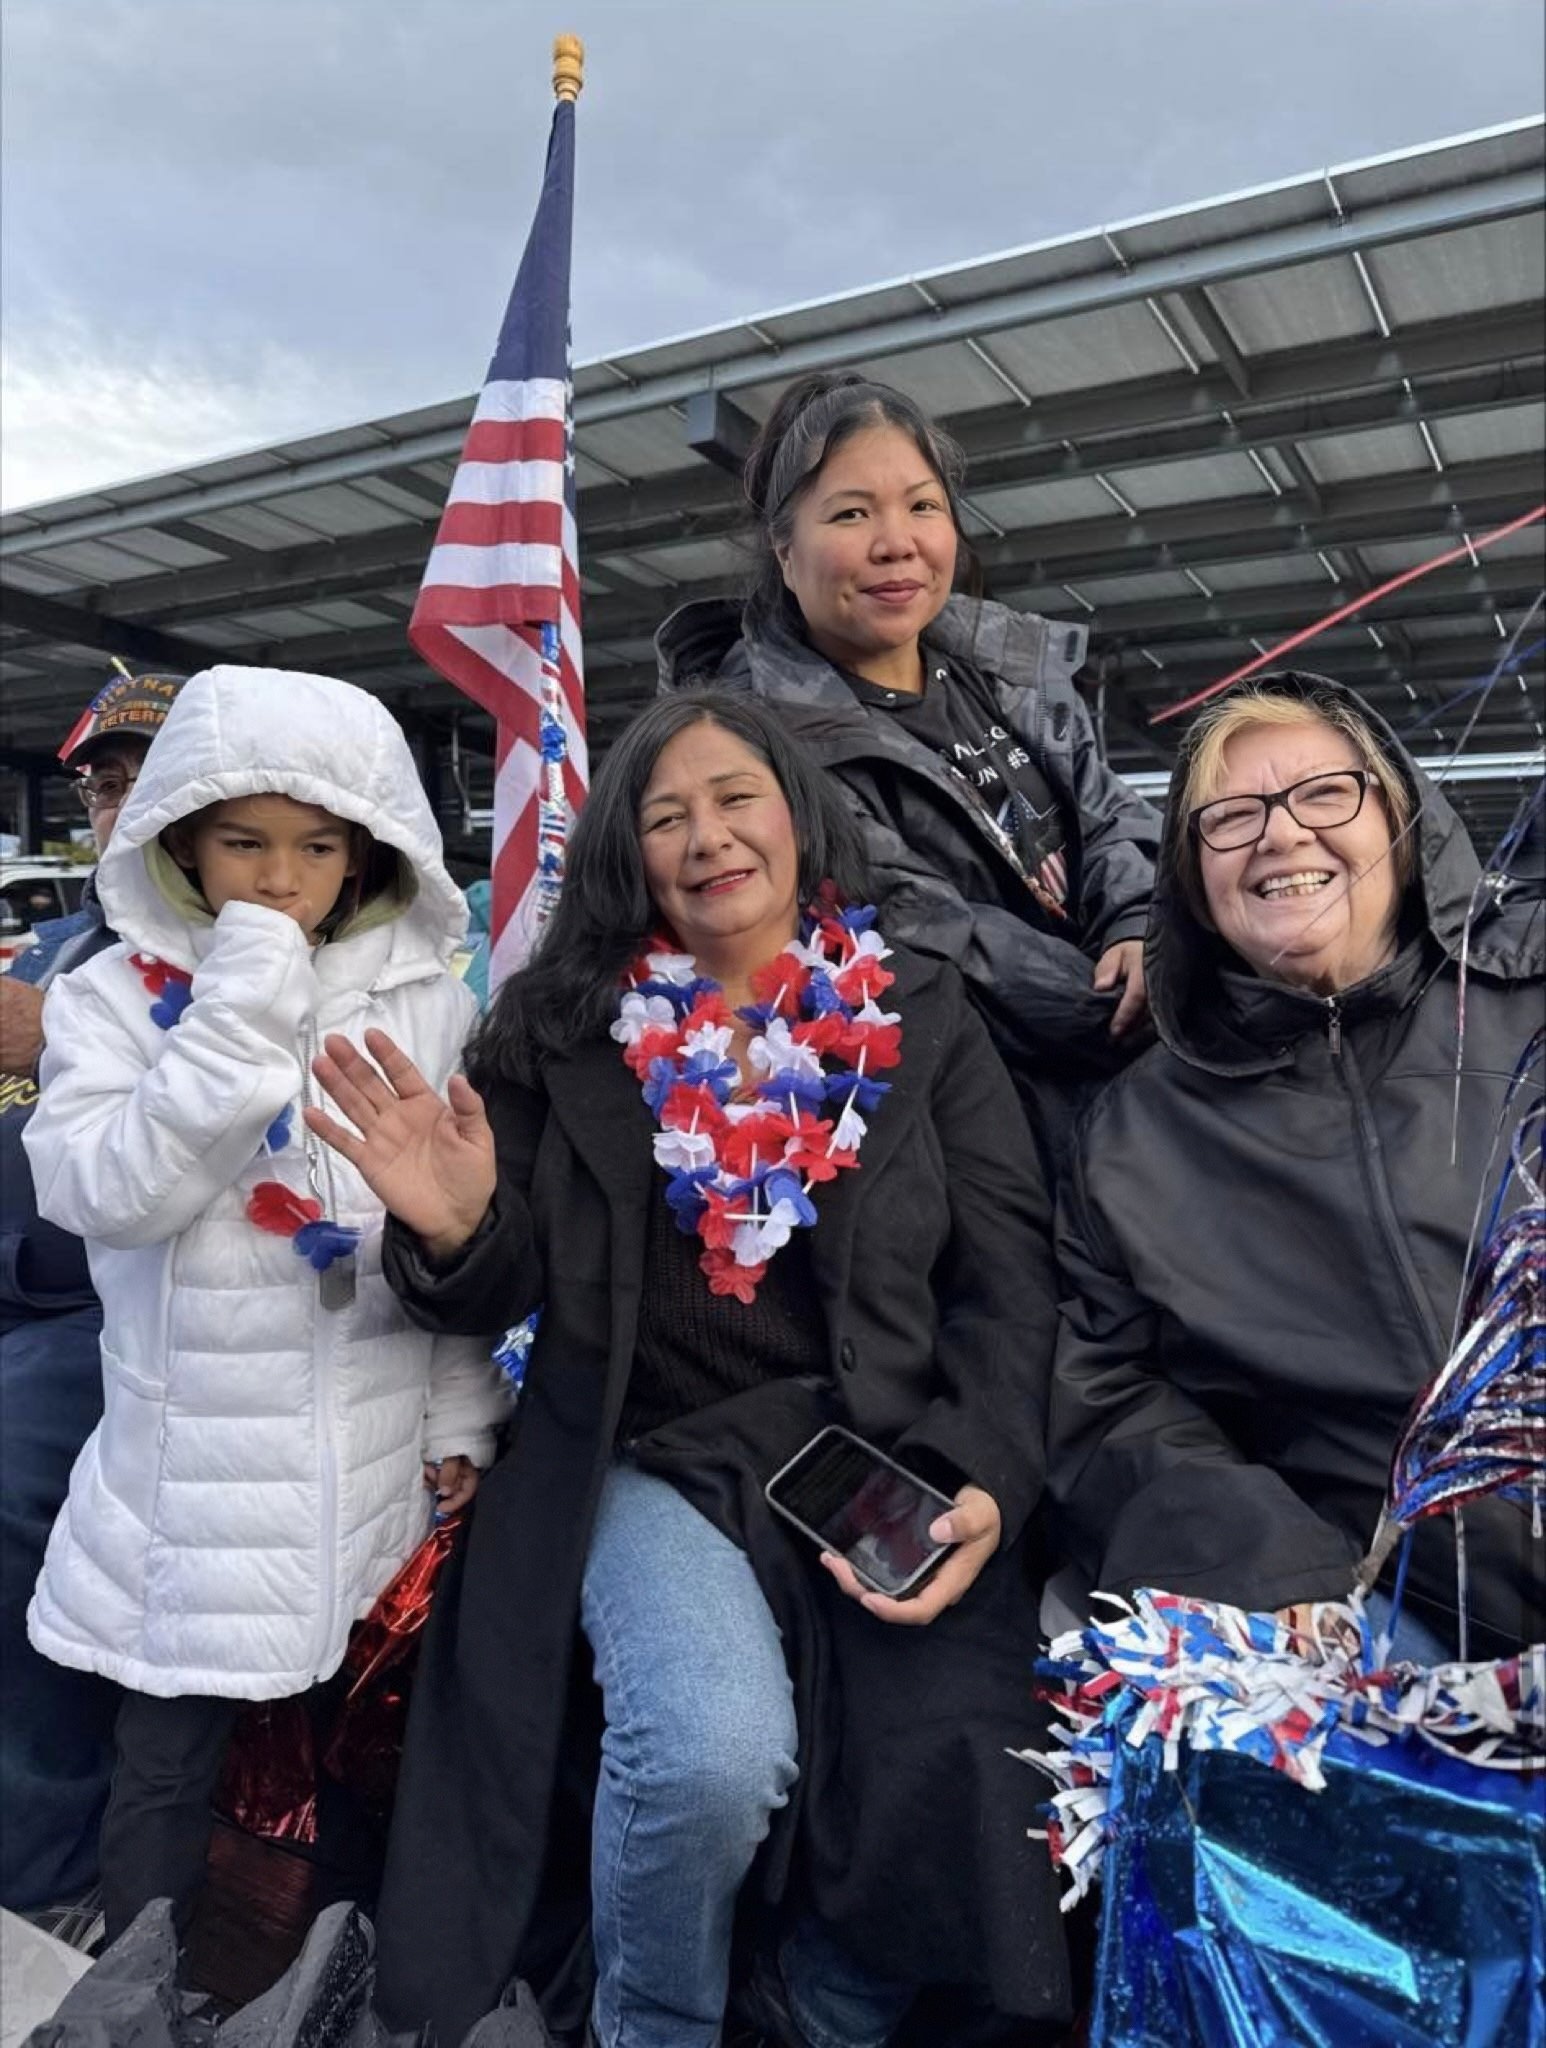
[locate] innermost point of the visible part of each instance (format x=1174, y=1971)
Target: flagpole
x=553, y=739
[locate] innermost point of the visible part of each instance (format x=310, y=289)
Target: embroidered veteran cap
x=129, y=707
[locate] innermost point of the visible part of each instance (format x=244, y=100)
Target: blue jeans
x=698, y=1752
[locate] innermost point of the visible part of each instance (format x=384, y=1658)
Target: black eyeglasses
x=105, y=791
x=1319, y=800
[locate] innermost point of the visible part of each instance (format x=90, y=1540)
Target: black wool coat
x=1262, y=1248
x=932, y=1264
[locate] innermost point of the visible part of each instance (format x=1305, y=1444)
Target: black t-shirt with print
x=958, y=718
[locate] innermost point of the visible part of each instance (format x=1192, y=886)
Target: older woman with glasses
x=1265, y=1236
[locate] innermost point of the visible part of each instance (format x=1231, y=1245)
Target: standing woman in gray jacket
x=1001, y=839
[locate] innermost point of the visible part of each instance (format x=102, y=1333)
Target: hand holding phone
x=975, y=1527
x=899, y=1546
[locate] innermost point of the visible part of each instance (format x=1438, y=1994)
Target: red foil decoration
x=367, y=1740
x=268, y=1785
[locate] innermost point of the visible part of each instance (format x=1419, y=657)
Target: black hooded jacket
x=1263, y=1245
x=948, y=884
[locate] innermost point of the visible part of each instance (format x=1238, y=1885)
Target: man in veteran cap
x=104, y=749
x=55, y=1725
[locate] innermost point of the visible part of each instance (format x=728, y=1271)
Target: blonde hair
x=1261, y=704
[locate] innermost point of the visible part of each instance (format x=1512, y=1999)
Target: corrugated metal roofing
x=1207, y=424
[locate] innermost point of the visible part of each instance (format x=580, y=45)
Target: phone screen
x=864, y=1509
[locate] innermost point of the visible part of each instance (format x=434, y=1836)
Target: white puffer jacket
x=256, y=1477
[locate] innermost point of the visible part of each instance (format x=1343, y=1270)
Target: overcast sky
x=230, y=221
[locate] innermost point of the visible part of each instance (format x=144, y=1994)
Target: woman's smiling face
x=872, y=554
x=1313, y=906
x=718, y=845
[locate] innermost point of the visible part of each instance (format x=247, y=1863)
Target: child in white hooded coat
x=272, y=1422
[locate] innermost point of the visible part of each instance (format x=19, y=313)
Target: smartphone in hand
x=853, y=1500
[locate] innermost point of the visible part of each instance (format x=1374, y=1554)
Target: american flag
x=498, y=611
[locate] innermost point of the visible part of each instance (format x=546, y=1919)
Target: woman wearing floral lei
x=761, y=1171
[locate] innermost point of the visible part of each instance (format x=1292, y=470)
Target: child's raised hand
x=429, y=1160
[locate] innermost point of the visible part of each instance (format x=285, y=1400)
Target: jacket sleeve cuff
x=437, y=1294
x=950, y=1445
x=450, y=1442
x=1234, y=1533
x=1130, y=924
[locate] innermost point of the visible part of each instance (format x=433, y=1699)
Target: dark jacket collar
x=1269, y=1015
x=1210, y=1012
x=708, y=640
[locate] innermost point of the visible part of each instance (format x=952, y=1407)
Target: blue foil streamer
x=1403, y=1907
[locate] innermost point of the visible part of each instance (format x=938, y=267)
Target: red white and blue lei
x=740, y=1171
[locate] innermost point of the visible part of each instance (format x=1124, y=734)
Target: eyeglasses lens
x=1322, y=801
x=107, y=791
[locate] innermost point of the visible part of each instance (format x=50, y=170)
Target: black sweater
x=694, y=1348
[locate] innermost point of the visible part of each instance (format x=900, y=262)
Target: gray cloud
x=289, y=213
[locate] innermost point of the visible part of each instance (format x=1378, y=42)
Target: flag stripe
x=508, y=520
x=524, y=400
x=495, y=569
x=495, y=483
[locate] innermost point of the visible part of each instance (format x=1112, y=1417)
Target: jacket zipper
x=1372, y=1154
x=327, y=1511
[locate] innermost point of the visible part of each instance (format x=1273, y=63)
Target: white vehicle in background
x=33, y=889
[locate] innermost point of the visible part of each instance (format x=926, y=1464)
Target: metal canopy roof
x=1196, y=431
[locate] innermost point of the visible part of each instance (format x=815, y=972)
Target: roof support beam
x=1315, y=378
x=1486, y=199
x=206, y=537
x=698, y=506
x=55, y=621
x=1232, y=529
x=1300, y=470
x=1449, y=592
x=1227, y=615
x=1210, y=325
x=1398, y=220
x=1143, y=541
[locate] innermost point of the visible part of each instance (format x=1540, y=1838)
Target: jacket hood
x=1212, y=1012
x=237, y=732
x=707, y=641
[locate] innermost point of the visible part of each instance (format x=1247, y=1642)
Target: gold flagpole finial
x=568, y=67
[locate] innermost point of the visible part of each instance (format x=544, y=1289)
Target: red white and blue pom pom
x=1199, y=1675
